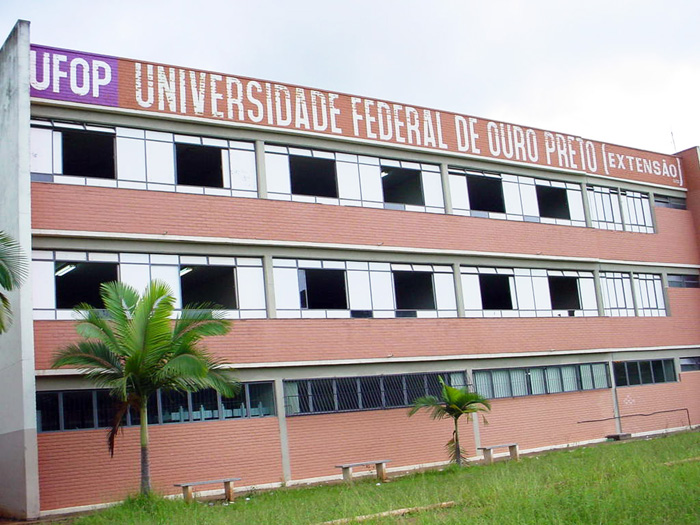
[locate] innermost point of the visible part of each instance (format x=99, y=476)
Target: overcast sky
x=620, y=71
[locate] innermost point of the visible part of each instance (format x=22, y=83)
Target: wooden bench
x=188, y=493
x=488, y=452
x=379, y=464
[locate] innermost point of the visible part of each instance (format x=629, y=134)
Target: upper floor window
x=88, y=154
x=690, y=364
x=620, y=210
x=208, y=285
x=666, y=201
x=199, y=165
x=313, y=176
x=683, y=281
x=79, y=282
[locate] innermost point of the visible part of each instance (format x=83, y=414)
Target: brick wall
x=75, y=467
x=134, y=211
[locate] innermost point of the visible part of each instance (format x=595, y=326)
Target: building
x=364, y=248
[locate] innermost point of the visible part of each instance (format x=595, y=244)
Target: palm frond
x=5, y=312
x=14, y=267
x=88, y=355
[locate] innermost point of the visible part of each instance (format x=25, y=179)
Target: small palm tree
x=13, y=270
x=454, y=403
x=134, y=348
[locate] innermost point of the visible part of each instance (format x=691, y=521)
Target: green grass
x=611, y=483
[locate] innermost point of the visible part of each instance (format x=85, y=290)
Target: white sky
x=620, y=71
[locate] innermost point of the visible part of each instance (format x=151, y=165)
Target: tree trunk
x=458, y=449
x=145, y=466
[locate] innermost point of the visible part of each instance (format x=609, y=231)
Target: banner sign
x=87, y=78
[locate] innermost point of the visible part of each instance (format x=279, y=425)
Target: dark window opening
x=563, y=292
x=78, y=283
x=47, y=414
x=402, y=186
x=205, y=405
x=322, y=395
x=361, y=314
x=323, y=289
x=88, y=154
x=666, y=201
x=394, y=391
x=415, y=386
x=683, y=281
x=174, y=406
x=199, y=165
x=347, y=394
x=644, y=372
x=688, y=364
x=495, y=292
x=78, y=410
x=553, y=202
x=485, y=194
x=262, y=399
x=209, y=284
x=312, y=176
x=107, y=408
x=414, y=290
x=371, y=392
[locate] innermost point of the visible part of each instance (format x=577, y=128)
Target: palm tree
x=13, y=270
x=454, y=403
x=134, y=348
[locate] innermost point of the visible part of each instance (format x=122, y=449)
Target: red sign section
x=172, y=90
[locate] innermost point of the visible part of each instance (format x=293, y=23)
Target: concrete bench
x=379, y=464
x=488, y=452
x=188, y=493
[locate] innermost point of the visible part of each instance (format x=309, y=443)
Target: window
x=636, y=211
x=650, y=295
x=630, y=373
x=88, y=154
x=402, y=186
x=414, y=290
x=689, y=364
x=683, y=281
x=617, y=294
x=79, y=282
x=199, y=165
x=516, y=382
x=563, y=292
x=85, y=409
x=553, y=202
x=313, y=176
x=604, y=205
x=322, y=289
x=486, y=193
x=310, y=396
x=209, y=284
x=495, y=292
x=666, y=201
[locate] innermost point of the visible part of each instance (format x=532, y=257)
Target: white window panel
x=357, y=265
x=305, y=263
x=134, y=258
x=243, y=173
x=160, y=162
x=445, y=291
x=575, y=200
x=193, y=259
x=171, y=276
x=187, y=139
x=540, y=286
x=377, y=266
x=130, y=132
x=348, y=180
x=220, y=261
x=159, y=136
x=251, y=288
x=42, y=255
x=277, y=173
x=511, y=195
x=458, y=192
x=471, y=292
x=41, y=150
x=43, y=285
x=382, y=290
x=371, y=183
x=588, y=297
x=136, y=275
x=241, y=261
x=131, y=159
x=335, y=265
x=218, y=143
x=103, y=257
x=432, y=189
x=287, y=288
x=359, y=290
x=528, y=196
x=71, y=256
x=57, y=139
x=526, y=296
x=161, y=258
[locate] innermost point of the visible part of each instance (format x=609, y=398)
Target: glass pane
x=106, y=409
x=393, y=391
x=434, y=386
x=600, y=375
x=537, y=381
x=586, y=377
x=415, y=386
x=348, y=396
x=174, y=407
x=670, y=370
x=568, y=373
x=77, y=410
x=152, y=408
x=262, y=399
x=501, y=383
x=657, y=368
x=633, y=373
x=371, y=392
x=205, y=405
x=457, y=380
x=235, y=407
x=47, y=411
x=518, y=381
x=553, y=379
x=291, y=397
x=645, y=368
x=619, y=369
x=482, y=383
x=322, y=399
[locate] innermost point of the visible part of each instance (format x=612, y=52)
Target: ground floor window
x=629, y=373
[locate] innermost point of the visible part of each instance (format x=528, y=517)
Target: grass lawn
x=624, y=482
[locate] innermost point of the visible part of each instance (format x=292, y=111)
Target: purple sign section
x=72, y=76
